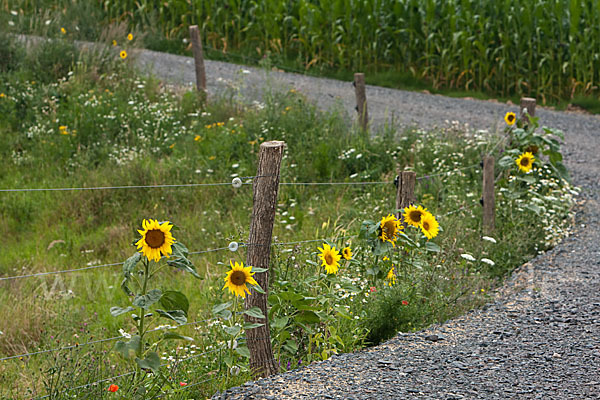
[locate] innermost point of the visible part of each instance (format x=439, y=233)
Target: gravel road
x=539, y=339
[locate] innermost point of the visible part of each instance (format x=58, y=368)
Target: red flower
x=404, y=302
x=113, y=388
x=372, y=289
x=182, y=384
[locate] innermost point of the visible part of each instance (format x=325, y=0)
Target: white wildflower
x=489, y=239
x=468, y=257
x=487, y=261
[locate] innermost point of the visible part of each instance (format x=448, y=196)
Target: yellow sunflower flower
x=114, y=42
x=330, y=257
x=412, y=215
x=510, y=118
x=130, y=37
x=391, y=277
x=123, y=54
x=525, y=162
x=156, y=239
x=63, y=31
x=429, y=226
x=389, y=228
x=237, y=277
x=347, y=253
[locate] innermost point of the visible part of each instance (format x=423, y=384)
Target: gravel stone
x=538, y=339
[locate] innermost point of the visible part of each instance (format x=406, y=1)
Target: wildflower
x=156, y=239
x=212, y=158
x=389, y=228
x=489, y=239
x=234, y=370
x=63, y=130
x=372, y=289
x=2, y=95
x=412, y=215
x=347, y=253
x=63, y=31
x=510, y=118
x=404, y=302
x=391, y=277
x=114, y=42
x=488, y=261
x=113, y=388
x=182, y=384
x=468, y=257
x=123, y=54
x=525, y=162
x=330, y=257
x=171, y=146
x=237, y=278
x=429, y=226
x=130, y=37
x=197, y=138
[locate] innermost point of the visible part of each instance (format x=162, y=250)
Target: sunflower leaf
x=220, y=307
x=151, y=362
x=232, y=330
x=174, y=300
x=130, y=264
x=175, y=315
x=258, y=289
x=243, y=351
x=183, y=264
x=148, y=299
x=128, y=349
x=252, y=326
x=116, y=311
x=433, y=247
x=125, y=288
x=254, y=312
x=259, y=270
x=173, y=335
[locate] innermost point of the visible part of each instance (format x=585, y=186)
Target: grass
x=121, y=128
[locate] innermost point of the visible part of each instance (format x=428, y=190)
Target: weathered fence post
x=489, y=201
x=405, y=192
x=361, y=100
x=266, y=186
x=198, y=58
x=527, y=103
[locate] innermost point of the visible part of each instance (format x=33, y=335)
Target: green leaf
x=179, y=259
x=151, y=362
x=175, y=315
x=259, y=270
x=173, y=335
x=280, y=323
x=506, y=161
x=232, y=330
x=254, y=312
x=258, y=289
x=220, y=307
x=291, y=346
x=307, y=317
x=253, y=326
x=130, y=263
x=290, y=296
x=115, y=311
x=526, y=178
x=536, y=209
x=243, y=351
x=125, y=287
x=433, y=247
x=128, y=349
x=148, y=299
x=311, y=262
x=174, y=300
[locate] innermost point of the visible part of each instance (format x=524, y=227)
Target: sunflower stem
x=141, y=331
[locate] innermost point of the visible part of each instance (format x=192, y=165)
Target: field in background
x=543, y=49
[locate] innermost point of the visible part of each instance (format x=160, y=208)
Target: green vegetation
x=85, y=119
x=543, y=49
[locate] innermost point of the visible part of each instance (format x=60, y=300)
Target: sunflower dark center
x=426, y=225
x=155, y=238
x=524, y=161
x=329, y=259
x=415, y=216
x=511, y=118
x=238, y=278
x=389, y=228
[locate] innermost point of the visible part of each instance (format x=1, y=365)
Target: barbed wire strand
x=80, y=345
x=447, y=173
x=335, y=183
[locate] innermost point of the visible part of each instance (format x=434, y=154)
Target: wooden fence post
x=361, y=100
x=198, y=58
x=527, y=103
x=489, y=201
x=405, y=192
x=266, y=186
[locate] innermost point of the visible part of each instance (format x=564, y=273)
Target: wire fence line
x=81, y=345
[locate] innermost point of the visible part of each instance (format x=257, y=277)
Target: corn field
x=549, y=49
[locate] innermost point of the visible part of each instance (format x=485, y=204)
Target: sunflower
x=123, y=54
x=130, y=37
x=114, y=42
x=330, y=257
x=237, y=278
x=391, y=277
x=510, y=118
x=429, y=225
x=388, y=229
x=156, y=239
x=525, y=161
x=347, y=253
x=413, y=215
